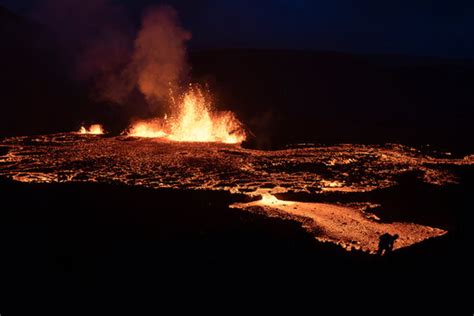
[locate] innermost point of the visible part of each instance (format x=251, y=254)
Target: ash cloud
x=104, y=51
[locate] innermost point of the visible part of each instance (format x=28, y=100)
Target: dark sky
x=415, y=27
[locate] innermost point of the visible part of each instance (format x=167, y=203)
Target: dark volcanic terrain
x=344, y=194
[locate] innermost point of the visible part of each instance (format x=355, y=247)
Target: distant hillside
x=296, y=96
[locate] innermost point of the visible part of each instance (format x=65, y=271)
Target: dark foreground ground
x=67, y=245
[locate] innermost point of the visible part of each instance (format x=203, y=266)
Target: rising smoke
x=98, y=37
x=159, y=58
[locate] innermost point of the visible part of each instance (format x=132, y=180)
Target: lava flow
x=341, y=194
x=195, y=120
x=349, y=226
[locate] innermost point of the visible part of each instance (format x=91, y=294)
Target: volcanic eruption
x=180, y=139
x=140, y=177
x=159, y=61
x=193, y=120
x=157, y=67
x=184, y=115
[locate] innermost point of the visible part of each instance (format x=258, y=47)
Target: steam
x=98, y=37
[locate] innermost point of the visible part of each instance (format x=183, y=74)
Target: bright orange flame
x=95, y=129
x=195, y=121
x=152, y=129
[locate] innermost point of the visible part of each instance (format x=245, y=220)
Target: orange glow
x=194, y=121
x=95, y=129
x=151, y=129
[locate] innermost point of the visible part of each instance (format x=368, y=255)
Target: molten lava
x=95, y=129
x=269, y=200
x=347, y=215
x=150, y=129
x=195, y=120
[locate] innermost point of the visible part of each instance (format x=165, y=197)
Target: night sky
x=430, y=28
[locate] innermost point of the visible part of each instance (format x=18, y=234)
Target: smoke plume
x=159, y=58
x=97, y=36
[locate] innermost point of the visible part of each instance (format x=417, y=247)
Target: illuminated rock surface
x=310, y=170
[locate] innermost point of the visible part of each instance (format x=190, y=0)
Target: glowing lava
x=194, y=121
x=95, y=129
x=150, y=129
x=271, y=200
x=346, y=225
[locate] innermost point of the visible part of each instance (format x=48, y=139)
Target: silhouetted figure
x=386, y=242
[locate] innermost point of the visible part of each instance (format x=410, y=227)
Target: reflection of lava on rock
x=315, y=171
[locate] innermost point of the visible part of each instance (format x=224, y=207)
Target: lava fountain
x=194, y=120
x=95, y=129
